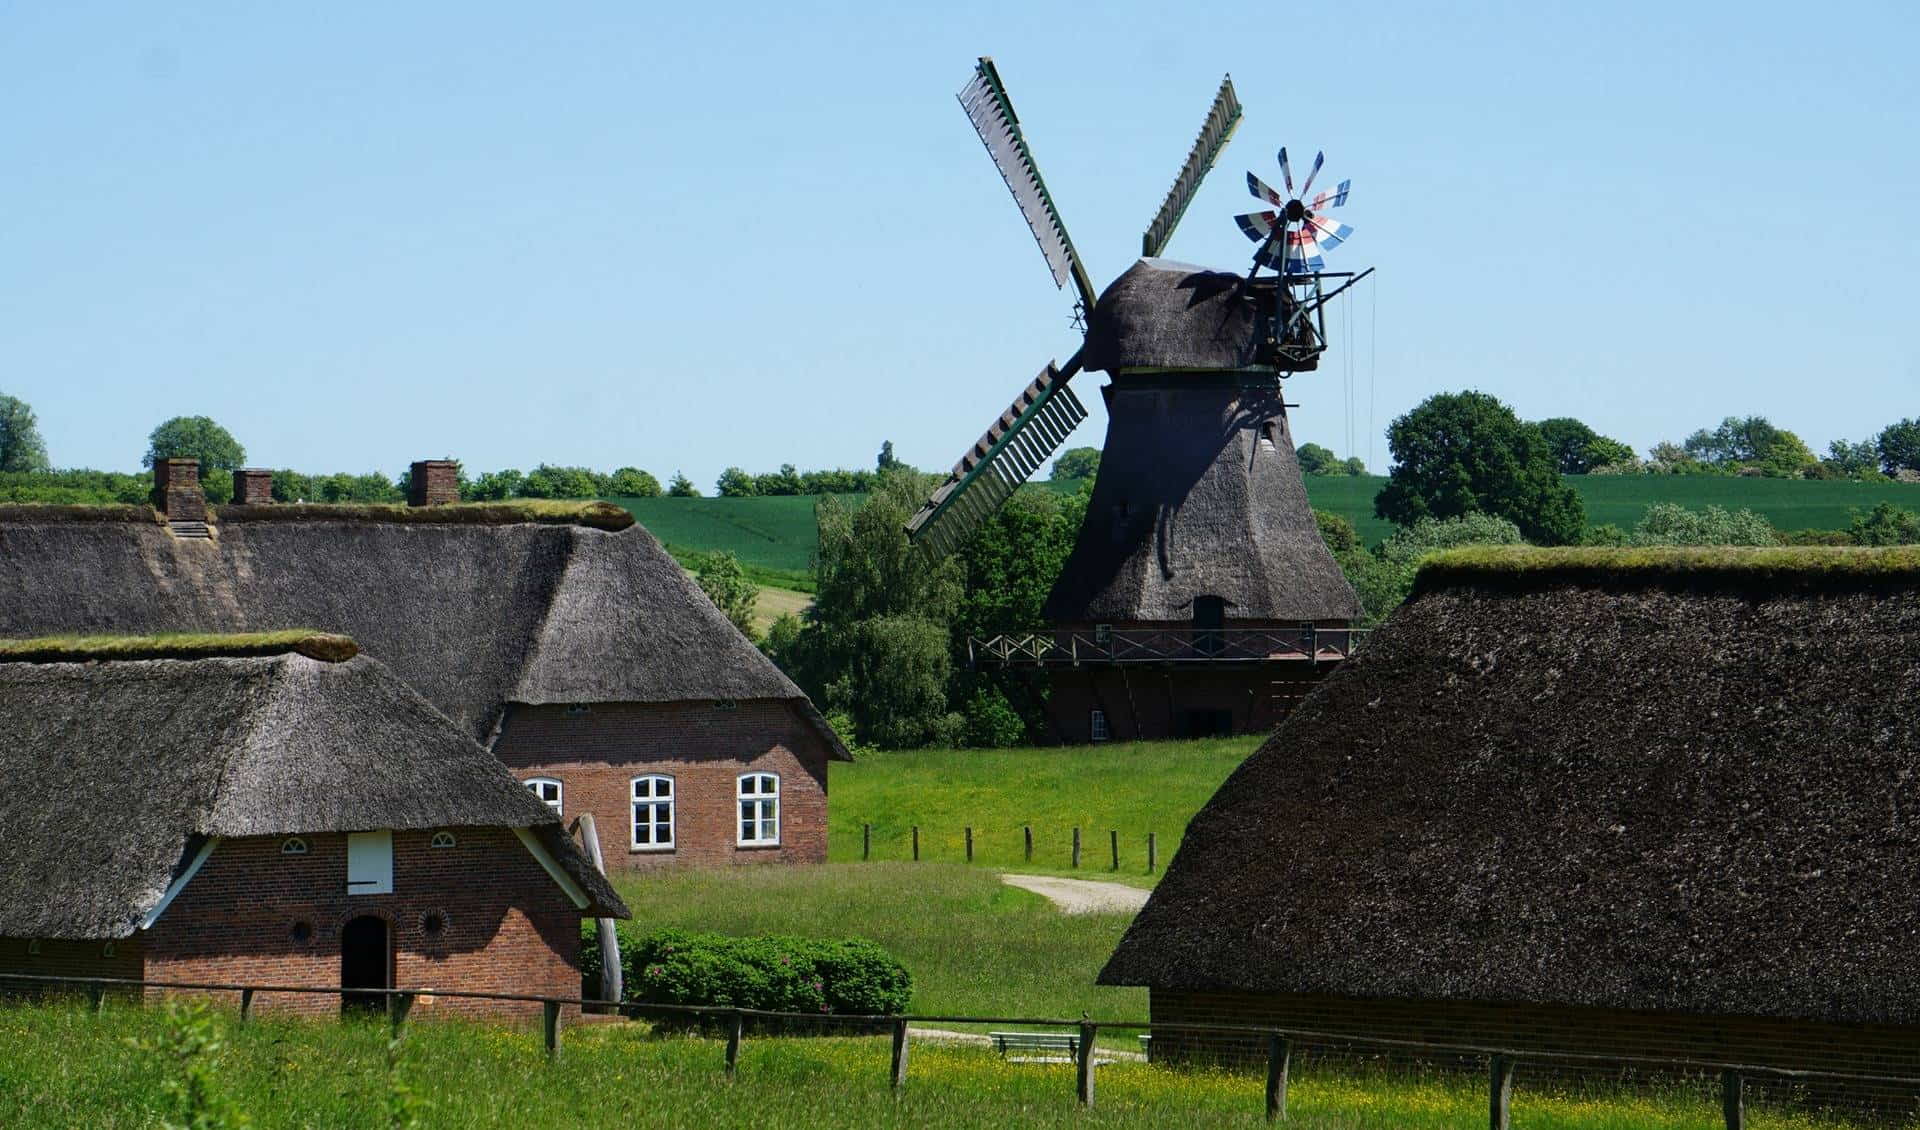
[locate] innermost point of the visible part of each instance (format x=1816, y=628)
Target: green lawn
x=774, y=536
x=1131, y=788
x=66, y=1067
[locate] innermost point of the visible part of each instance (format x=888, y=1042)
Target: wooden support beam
x=735, y=1029
x=612, y=977
x=899, y=1074
x=969, y=844
x=246, y=1005
x=1152, y=853
x=1083, y=1064
x=1278, y=1054
x=1076, y=848
x=1113, y=842
x=550, y=1026
x=398, y=1005
x=916, y=843
x=1499, y=1093
x=1026, y=831
x=1733, y=1099
x=866, y=842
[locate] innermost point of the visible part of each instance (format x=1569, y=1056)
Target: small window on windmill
x=1268, y=431
x=1097, y=724
x=1103, y=635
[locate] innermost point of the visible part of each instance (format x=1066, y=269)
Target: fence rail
x=1304, y=644
x=968, y=840
x=1500, y=1060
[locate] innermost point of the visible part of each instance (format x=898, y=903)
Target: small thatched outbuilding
x=270, y=809
x=561, y=637
x=1660, y=803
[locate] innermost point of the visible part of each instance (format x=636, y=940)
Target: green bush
x=848, y=977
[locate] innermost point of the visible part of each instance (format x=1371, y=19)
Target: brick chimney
x=433, y=482
x=252, y=486
x=176, y=490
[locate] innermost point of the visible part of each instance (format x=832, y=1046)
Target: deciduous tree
x=195, y=437
x=1458, y=453
x=21, y=448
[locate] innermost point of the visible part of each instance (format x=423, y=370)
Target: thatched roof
x=1162, y=314
x=1671, y=781
x=117, y=769
x=1199, y=494
x=472, y=614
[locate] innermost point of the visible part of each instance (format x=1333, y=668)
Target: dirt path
x=1082, y=896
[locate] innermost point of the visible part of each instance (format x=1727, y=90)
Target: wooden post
x=1083, y=1065
x=97, y=996
x=969, y=845
x=1113, y=843
x=899, y=1055
x=866, y=842
x=1733, y=1099
x=1027, y=834
x=1076, y=848
x=246, y=1004
x=916, y=843
x=398, y=1005
x=733, y=1042
x=1278, y=1053
x=550, y=1026
x=1152, y=850
x=1499, y=1093
x=612, y=977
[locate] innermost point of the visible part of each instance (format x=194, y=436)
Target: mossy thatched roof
x=179, y=645
x=1665, y=780
x=117, y=769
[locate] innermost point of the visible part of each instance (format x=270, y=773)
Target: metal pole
x=899, y=1055
x=1499, y=1093
x=1733, y=1099
x=1083, y=1074
x=1278, y=1053
x=733, y=1042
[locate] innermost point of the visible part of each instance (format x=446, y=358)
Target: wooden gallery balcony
x=1166, y=646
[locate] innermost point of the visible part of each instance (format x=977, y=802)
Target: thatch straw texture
x=116, y=770
x=471, y=615
x=1199, y=494
x=1163, y=314
x=1635, y=787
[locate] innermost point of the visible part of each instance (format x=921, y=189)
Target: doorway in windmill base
x=366, y=962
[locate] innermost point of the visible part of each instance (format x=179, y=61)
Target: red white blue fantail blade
x=1286, y=174
x=1330, y=197
x=1330, y=232
x=1319, y=159
x=1265, y=191
x=1257, y=225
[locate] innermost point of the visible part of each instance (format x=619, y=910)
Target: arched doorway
x=366, y=962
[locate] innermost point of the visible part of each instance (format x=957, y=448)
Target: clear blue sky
x=683, y=236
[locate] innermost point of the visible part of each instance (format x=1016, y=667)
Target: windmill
x=1198, y=530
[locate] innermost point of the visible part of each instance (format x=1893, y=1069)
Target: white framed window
x=759, y=795
x=443, y=840
x=1097, y=724
x=548, y=789
x=293, y=845
x=652, y=822
x=370, y=863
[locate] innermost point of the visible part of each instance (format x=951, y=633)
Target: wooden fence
x=1500, y=1061
x=1026, y=839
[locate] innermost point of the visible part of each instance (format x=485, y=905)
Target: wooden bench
x=1044, y=1042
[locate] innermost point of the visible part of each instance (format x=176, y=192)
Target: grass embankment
x=66, y=1067
x=975, y=946
x=1132, y=788
x=774, y=537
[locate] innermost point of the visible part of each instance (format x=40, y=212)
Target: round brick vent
x=302, y=931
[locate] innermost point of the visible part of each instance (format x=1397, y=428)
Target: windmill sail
x=1215, y=132
x=991, y=111
x=1026, y=434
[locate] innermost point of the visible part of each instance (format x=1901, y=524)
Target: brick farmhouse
x=272, y=811
x=562, y=638
x=1573, y=801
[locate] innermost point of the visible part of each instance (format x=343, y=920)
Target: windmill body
x=1199, y=597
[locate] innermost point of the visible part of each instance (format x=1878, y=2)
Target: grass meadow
x=68, y=1067
x=1132, y=788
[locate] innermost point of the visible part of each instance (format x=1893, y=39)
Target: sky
x=690, y=236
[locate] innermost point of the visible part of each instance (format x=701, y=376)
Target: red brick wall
x=508, y=926
x=1147, y=703
x=176, y=490
x=433, y=482
x=68, y=959
x=252, y=487
x=704, y=746
x=1871, y=1049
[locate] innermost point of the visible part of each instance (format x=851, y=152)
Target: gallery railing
x=1307, y=643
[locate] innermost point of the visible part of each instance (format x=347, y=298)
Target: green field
x=1131, y=788
x=775, y=536
x=68, y=1067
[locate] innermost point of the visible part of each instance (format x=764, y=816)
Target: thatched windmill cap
x=1163, y=314
x=1679, y=781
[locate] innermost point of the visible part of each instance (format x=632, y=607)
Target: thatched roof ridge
x=471, y=615
x=1163, y=314
x=117, y=770
x=1768, y=568
x=1618, y=784
x=179, y=645
x=594, y=514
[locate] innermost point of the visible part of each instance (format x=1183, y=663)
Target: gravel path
x=1082, y=896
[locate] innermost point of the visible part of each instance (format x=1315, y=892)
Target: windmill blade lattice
x=1295, y=238
x=1222, y=119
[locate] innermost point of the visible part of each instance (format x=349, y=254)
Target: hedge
x=847, y=977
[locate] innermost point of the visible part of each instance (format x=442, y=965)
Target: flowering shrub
x=780, y=974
